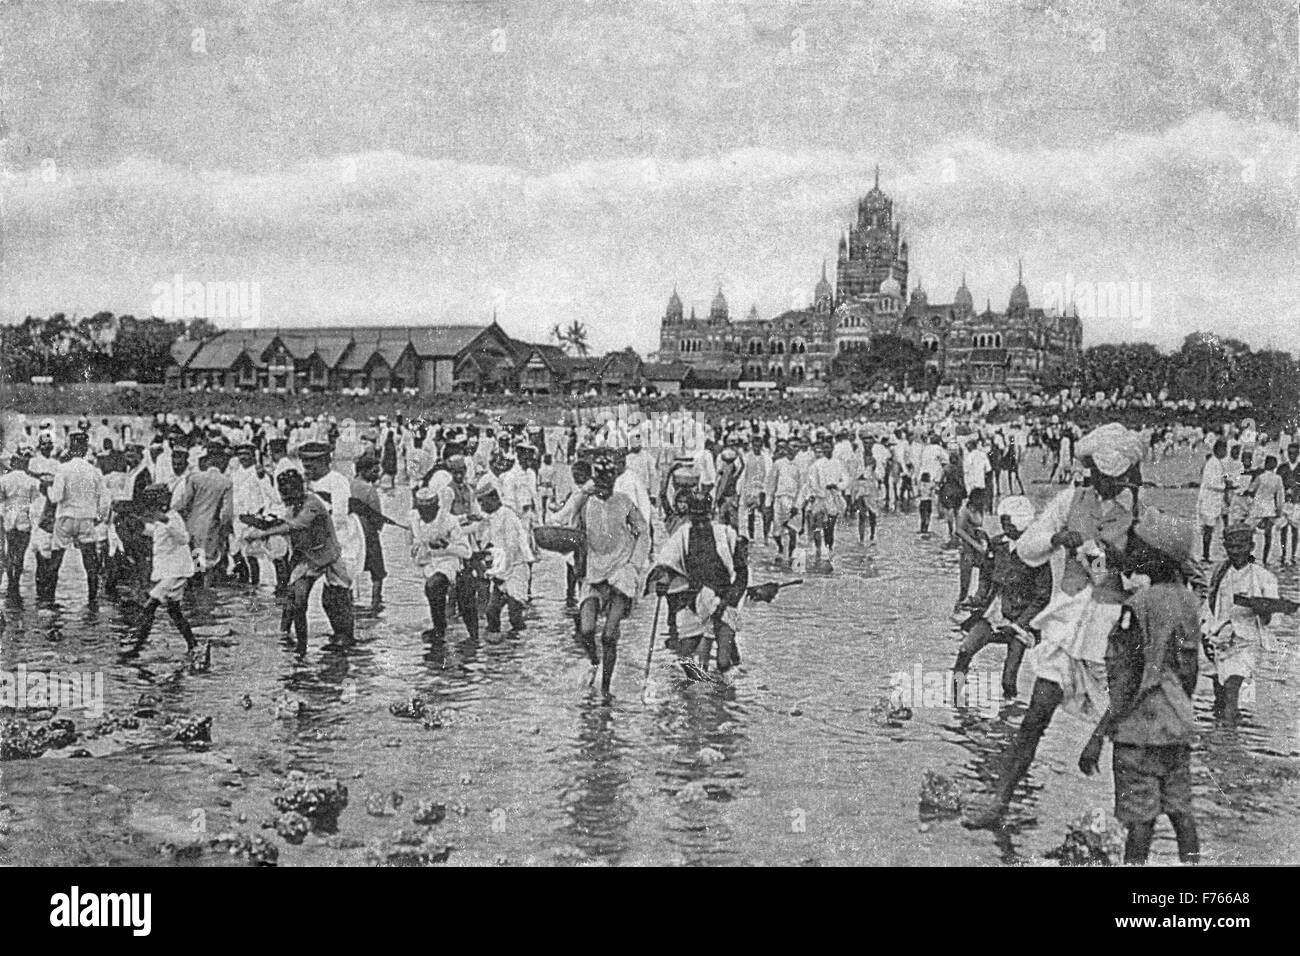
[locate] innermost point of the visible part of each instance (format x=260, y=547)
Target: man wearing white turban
x=1069, y=669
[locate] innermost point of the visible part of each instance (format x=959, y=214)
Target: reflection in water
x=703, y=775
x=595, y=800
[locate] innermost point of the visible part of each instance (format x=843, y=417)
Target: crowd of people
x=1102, y=601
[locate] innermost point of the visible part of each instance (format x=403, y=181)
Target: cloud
x=1204, y=210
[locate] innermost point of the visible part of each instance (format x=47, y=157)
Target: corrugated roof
x=444, y=341
x=183, y=350
x=220, y=353
x=665, y=371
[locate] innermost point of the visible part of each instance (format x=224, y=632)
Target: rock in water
x=1095, y=838
x=320, y=801
x=693, y=792
x=380, y=805
x=256, y=850
x=428, y=813
x=192, y=730
x=24, y=740
x=292, y=827
x=940, y=793
x=412, y=709
x=710, y=755
x=405, y=850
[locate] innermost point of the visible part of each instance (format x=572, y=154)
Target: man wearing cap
x=315, y=555
x=784, y=484
x=503, y=533
x=618, y=546
x=440, y=547
x=81, y=504
x=1016, y=595
x=1233, y=635
x=336, y=491
x=823, y=492
x=205, y=499
x=1068, y=665
x=1151, y=672
x=45, y=456
x=370, y=512
x=1212, y=500
x=172, y=564
x=251, y=494
x=753, y=491
x=703, y=571
x=18, y=490
x=641, y=465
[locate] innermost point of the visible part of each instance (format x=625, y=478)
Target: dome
x=919, y=297
x=891, y=286
x=719, y=302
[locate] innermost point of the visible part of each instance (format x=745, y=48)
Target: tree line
x=97, y=348
x=108, y=348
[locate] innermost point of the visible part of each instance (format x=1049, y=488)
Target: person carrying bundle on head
x=703, y=572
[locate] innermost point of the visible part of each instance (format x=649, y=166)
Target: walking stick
x=649, y=654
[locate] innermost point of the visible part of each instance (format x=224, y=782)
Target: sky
x=444, y=162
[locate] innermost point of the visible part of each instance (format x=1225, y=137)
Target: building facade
x=429, y=359
x=1019, y=348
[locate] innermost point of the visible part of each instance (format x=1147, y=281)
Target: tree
x=199, y=330
x=889, y=360
x=143, y=349
x=573, y=338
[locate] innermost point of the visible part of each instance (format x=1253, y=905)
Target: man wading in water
x=1069, y=664
x=703, y=570
x=310, y=528
x=618, y=548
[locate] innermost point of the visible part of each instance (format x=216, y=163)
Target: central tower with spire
x=874, y=248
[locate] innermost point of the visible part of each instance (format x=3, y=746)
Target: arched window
x=997, y=341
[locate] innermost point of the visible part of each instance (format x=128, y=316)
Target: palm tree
x=574, y=338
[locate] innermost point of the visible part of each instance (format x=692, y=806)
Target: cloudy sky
x=420, y=162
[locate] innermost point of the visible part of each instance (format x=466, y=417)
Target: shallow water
x=792, y=766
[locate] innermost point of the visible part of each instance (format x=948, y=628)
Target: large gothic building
x=1018, y=348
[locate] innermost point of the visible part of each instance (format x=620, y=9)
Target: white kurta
x=1236, y=634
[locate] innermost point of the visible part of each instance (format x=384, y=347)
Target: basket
x=558, y=539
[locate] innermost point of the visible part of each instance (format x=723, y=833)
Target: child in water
x=1151, y=673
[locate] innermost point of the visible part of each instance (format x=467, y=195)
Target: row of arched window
x=775, y=347
x=776, y=371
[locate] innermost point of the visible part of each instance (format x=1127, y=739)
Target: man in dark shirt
x=1151, y=667
x=369, y=510
x=1289, y=470
x=703, y=570
x=315, y=555
x=1023, y=592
